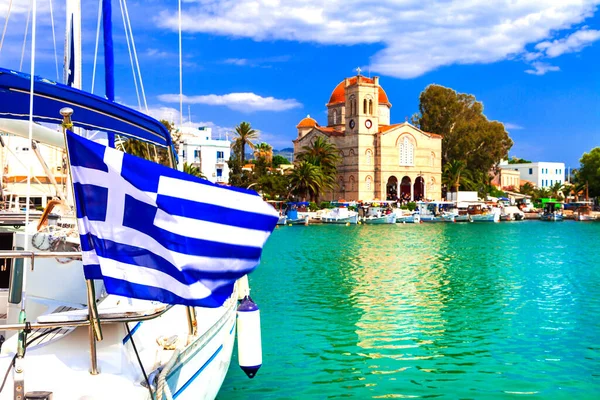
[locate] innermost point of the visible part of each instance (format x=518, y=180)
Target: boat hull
x=551, y=217
x=384, y=219
x=409, y=219
x=485, y=218
x=345, y=220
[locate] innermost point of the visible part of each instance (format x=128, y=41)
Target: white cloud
x=418, y=36
x=257, y=62
x=245, y=102
x=540, y=68
x=513, y=127
x=570, y=44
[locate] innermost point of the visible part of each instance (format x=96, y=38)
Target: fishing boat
x=376, y=213
x=297, y=214
x=64, y=335
x=511, y=213
x=339, y=215
x=480, y=212
x=552, y=212
x=436, y=211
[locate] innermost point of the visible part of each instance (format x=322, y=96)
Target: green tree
x=468, y=135
x=517, y=160
x=245, y=137
x=278, y=160
x=193, y=170
x=527, y=188
x=589, y=171
x=324, y=155
x=556, y=190
x=452, y=174
x=305, y=180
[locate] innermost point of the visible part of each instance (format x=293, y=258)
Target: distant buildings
x=541, y=174
x=379, y=160
x=16, y=156
x=197, y=147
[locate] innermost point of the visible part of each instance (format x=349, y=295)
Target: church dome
x=307, y=122
x=338, y=95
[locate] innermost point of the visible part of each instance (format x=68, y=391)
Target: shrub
x=325, y=204
x=412, y=206
x=312, y=206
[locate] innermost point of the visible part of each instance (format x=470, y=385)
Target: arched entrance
x=391, y=190
x=419, y=188
x=405, y=189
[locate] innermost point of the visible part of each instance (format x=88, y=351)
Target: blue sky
x=534, y=64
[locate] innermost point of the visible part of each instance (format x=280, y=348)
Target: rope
x=5, y=25
x=137, y=92
x=25, y=38
x=137, y=63
x=97, y=40
x=54, y=40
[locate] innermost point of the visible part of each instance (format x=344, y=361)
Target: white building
x=198, y=148
x=17, y=159
x=542, y=174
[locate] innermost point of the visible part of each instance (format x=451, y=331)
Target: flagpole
x=95, y=330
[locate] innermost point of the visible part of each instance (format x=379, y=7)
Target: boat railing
x=17, y=294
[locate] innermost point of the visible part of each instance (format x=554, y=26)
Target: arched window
x=370, y=106
x=335, y=121
x=368, y=157
x=364, y=106
x=351, y=180
x=406, y=152
x=352, y=105
x=368, y=181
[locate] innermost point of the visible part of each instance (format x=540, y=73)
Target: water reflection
x=454, y=311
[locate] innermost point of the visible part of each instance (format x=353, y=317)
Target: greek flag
x=155, y=233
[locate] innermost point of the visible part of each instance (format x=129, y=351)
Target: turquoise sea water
x=471, y=311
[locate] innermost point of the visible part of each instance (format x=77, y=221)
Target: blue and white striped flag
x=155, y=233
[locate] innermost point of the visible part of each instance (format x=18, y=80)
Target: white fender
x=248, y=337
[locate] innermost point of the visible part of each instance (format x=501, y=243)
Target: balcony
x=220, y=161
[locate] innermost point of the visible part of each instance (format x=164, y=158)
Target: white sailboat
x=65, y=336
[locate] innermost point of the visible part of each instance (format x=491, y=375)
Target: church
x=378, y=160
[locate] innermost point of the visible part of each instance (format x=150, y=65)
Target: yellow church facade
x=379, y=160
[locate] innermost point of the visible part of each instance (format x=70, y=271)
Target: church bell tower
x=362, y=106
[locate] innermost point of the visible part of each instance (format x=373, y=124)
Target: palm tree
x=452, y=174
x=245, y=137
x=556, y=190
x=323, y=154
x=193, y=170
x=527, y=188
x=574, y=189
x=305, y=180
x=264, y=150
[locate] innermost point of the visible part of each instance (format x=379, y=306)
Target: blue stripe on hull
x=202, y=368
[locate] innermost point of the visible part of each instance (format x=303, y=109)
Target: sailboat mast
x=109, y=62
x=72, y=59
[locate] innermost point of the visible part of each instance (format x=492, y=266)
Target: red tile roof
x=339, y=95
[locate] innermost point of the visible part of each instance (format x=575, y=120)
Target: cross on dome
x=358, y=71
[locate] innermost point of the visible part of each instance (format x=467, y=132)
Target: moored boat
x=552, y=212
x=481, y=212
x=339, y=215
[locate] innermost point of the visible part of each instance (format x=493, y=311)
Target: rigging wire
x=137, y=92
x=5, y=25
x=139, y=360
x=97, y=40
x=180, y=69
x=137, y=63
x=54, y=40
x=25, y=37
